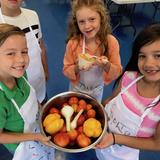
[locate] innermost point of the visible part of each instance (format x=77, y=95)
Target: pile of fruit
x=72, y=125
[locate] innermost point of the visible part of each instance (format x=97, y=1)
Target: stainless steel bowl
x=62, y=98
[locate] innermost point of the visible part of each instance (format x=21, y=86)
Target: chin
x=19, y=75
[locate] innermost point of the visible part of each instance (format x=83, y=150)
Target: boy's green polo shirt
x=10, y=119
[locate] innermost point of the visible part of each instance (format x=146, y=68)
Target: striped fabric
x=138, y=105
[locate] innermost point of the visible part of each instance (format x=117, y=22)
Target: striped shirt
x=138, y=105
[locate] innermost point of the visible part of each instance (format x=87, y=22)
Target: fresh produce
x=54, y=110
x=61, y=139
x=72, y=134
x=49, y=118
x=83, y=140
x=92, y=128
x=81, y=120
x=73, y=100
x=53, y=123
x=67, y=111
x=91, y=113
x=74, y=122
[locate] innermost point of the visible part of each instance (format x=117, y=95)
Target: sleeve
x=70, y=62
x=128, y=77
x=114, y=59
x=3, y=117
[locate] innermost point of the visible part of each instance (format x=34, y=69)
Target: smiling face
x=13, y=57
x=149, y=61
x=88, y=22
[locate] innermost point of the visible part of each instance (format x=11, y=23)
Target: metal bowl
x=62, y=98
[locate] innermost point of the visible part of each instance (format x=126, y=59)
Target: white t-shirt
x=23, y=22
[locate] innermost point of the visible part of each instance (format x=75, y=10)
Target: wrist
x=76, y=69
x=107, y=66
x=114, y=139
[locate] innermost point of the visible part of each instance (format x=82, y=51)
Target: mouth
x=89, y=31
x=13, y=1
x=19, y=68
x=152, y=72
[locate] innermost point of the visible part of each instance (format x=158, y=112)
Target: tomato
x=54, y=110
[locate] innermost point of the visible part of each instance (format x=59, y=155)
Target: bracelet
x=113, y=138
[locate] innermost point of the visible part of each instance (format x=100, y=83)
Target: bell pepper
x=92, y=127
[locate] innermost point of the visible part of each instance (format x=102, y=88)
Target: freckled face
x=89, y=22
x=14, y=57
x=149, y=61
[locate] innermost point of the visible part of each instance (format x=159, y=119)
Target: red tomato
x=54, y=110
x=73, y=100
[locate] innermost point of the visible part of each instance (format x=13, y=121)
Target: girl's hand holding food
x=103, y=62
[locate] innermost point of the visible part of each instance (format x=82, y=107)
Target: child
x=28, y=21
x=90, y=32
x=19, y=131
x=134, y=109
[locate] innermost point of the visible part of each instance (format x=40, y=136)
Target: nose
x=150, y=62
x=19, y=58
x=87, y=25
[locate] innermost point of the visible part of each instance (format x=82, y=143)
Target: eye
x=81, y=22
x=157, y=56
x=92, y=19
x=24, y=52
x=141, y=56
x=10, y=53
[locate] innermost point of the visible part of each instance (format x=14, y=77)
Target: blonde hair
x=99, y=7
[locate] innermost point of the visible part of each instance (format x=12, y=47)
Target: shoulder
x=112, y=42
x=72, y=43
x=128, y=77
x=111, y=39
x=30, y=13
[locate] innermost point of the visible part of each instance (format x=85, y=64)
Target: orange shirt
x=74, y=47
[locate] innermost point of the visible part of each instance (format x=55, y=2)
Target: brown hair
x=7, y=30
x=99, y=7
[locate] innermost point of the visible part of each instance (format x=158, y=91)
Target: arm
x=44, y=59
x=113, y=68
x=6, y=137
x=115, y=93
x=150, y=143
x=70, y=63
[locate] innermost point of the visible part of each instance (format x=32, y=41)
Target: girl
x=90, y=33
x=134, y=108
x=19, y=131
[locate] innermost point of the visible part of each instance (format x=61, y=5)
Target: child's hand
x=103, y=62
x=86, y=68
x=106, y=141
x=43, y=139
